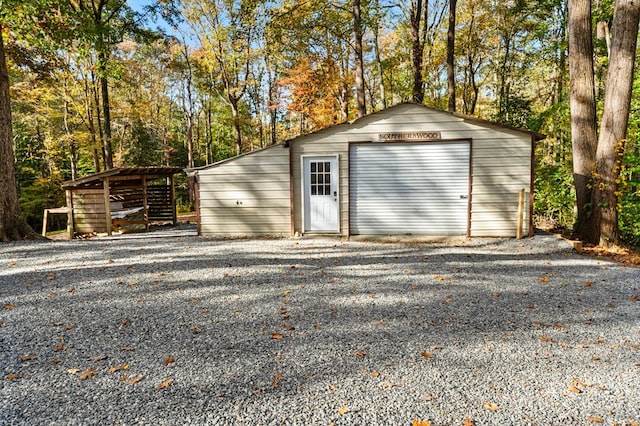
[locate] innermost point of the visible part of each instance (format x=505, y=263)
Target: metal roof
x=126, y=174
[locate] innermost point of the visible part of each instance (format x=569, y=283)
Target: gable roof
x=372, y=116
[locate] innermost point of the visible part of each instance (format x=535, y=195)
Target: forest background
x=192, y=82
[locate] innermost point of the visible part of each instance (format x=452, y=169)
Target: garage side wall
x=500, y=162
x=248, y=195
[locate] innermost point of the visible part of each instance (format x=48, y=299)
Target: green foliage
x=39, y=195
x=629, y=202
x=144, y=150
x=554, y=197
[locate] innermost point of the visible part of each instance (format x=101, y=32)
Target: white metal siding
x=409, y=188
x=247, y=195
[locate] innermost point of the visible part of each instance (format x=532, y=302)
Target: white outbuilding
x=406, y=170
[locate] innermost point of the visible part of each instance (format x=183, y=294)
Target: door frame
x=303, y=159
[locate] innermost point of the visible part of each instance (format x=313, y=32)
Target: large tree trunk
x=615, y=118
x=357, y=31
x=583, y=113
x=12, y=223
x=451, y=38
x=417, y=51
x=107, y=148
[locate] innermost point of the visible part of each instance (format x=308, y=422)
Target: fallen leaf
x=343, y=410
x=594, y=419
x=634, y=345
x=51, y=276
x=427, y=397
x=56, y=361
x=491, y=406
x=360, y=354
x=546, y=339
x=588, y=284
x=634, y=298
x=426, y=354
x=125, y=322
x=73, y=371
x=574, y=389
x=375, y=374
x=195, y=329
x=25, y=358
x=496, y=294
x=169, y=360
x=165, y=384
x=114, y=369
x=288, y=327
x=11, y=376
x=387, y=385
x=277, y=336
x=136, y=379
x=420, y=423
x=8, y=306
x=544, y=279
x=285, y=292
x=88, y=374
x=468, y=422
x=60, y=348
x=127, y=349
x=98, y=358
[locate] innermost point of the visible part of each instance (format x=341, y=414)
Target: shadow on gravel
x=272, y=330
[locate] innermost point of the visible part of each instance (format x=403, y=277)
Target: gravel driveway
x=185, y=330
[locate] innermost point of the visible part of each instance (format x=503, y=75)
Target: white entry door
x=320, y=189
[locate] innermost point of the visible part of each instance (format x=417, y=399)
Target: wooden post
x=145, y=201
x=44, y=222
x=172, y=195
x=107, y=204
x=70, y=224
x=520, y=214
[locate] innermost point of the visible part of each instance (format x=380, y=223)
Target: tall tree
x=360, y=84
x=228, y=30
x=583, y=111
x=451, y=40
x=12, y=223
x=615, y=119
x=100, y=25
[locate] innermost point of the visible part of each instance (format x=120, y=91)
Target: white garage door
x=409, y=188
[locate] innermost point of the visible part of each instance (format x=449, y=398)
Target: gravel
x=316, y=331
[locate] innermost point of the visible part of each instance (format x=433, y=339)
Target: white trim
x=303, y=193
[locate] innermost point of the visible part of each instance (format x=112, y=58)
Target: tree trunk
x=12, y=223
x=107, y=148
x=583, y=113
x=615, y=118
x=235, y=114
x=417, y=51
x=357, y=31
x=451, y=37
